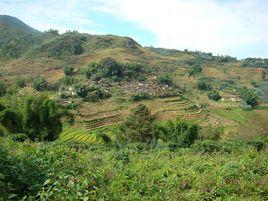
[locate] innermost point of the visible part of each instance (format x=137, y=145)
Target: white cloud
x=45, y=14
x=225, y=27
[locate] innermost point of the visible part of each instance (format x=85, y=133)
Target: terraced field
x=92, y=136
x=110, y=114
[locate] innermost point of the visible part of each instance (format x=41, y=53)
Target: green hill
x=16, y=37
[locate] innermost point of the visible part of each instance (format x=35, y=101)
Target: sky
x=226, y=27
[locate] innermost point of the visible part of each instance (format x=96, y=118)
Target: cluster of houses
x=232, y=98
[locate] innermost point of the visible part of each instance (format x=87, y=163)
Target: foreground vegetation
x=209, y=170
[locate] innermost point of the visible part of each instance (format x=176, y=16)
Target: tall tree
x=139, y=126
x=41, y=119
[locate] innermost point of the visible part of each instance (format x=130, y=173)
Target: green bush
x=40, y=84
x=92, y=93
x=141, y=96
x=195, y=69
x=68, y=70
x=211, y=133
x=96, y=93
x=180, y=133
x=206, y=146
x=3, y=88
x=249, y=96
x=259, y=144
x=11, y=120
x=165, y=80
x=214, y=95
x=111, y=67
x=21, y=175
x=203, y=85
x=244, y=106
x=18, y=137
x=134, y=70
x=68, y=80
x=20, y=82
x=81, y=90
x=93, y=69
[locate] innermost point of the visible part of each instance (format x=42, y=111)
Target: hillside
x=16, y=37
x=46, y=54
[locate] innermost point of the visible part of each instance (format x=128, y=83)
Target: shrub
x=259, y=144
x=203, y=85
x=191, y=107
x=39, y=84
x=244, y=106
x=21, y=82
x=18, y=137
x=21, y=175
x=206, y=146
x=180, y=133
x=81, y=90
x=10, y=120
x=68, y=70
x=3, y=88
x=210, y=133
x=214, y=95
x=195, y=69
x=249, y=96
x=91, y=93
x=133, y=70
x=111, y=67
x=165, y=80
x=92, y=69
x=263, y=75
x=254, y=83
x=68, y=80
x=141, y=96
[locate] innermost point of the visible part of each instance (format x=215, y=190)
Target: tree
x=68, y=70
x=195, y=69
x=50, y=120
x=214, y=95
x=52, y=32
x=40, y=84
x=139, y=126
x=249, y=96
x=111, y=67
x=203, y=85
x=41, y=119
x=263, y=75
x=3, y=88
x=21, y=82
x=10, y=120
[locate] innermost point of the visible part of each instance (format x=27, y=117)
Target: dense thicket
x=39, y=119
x=110, y=68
